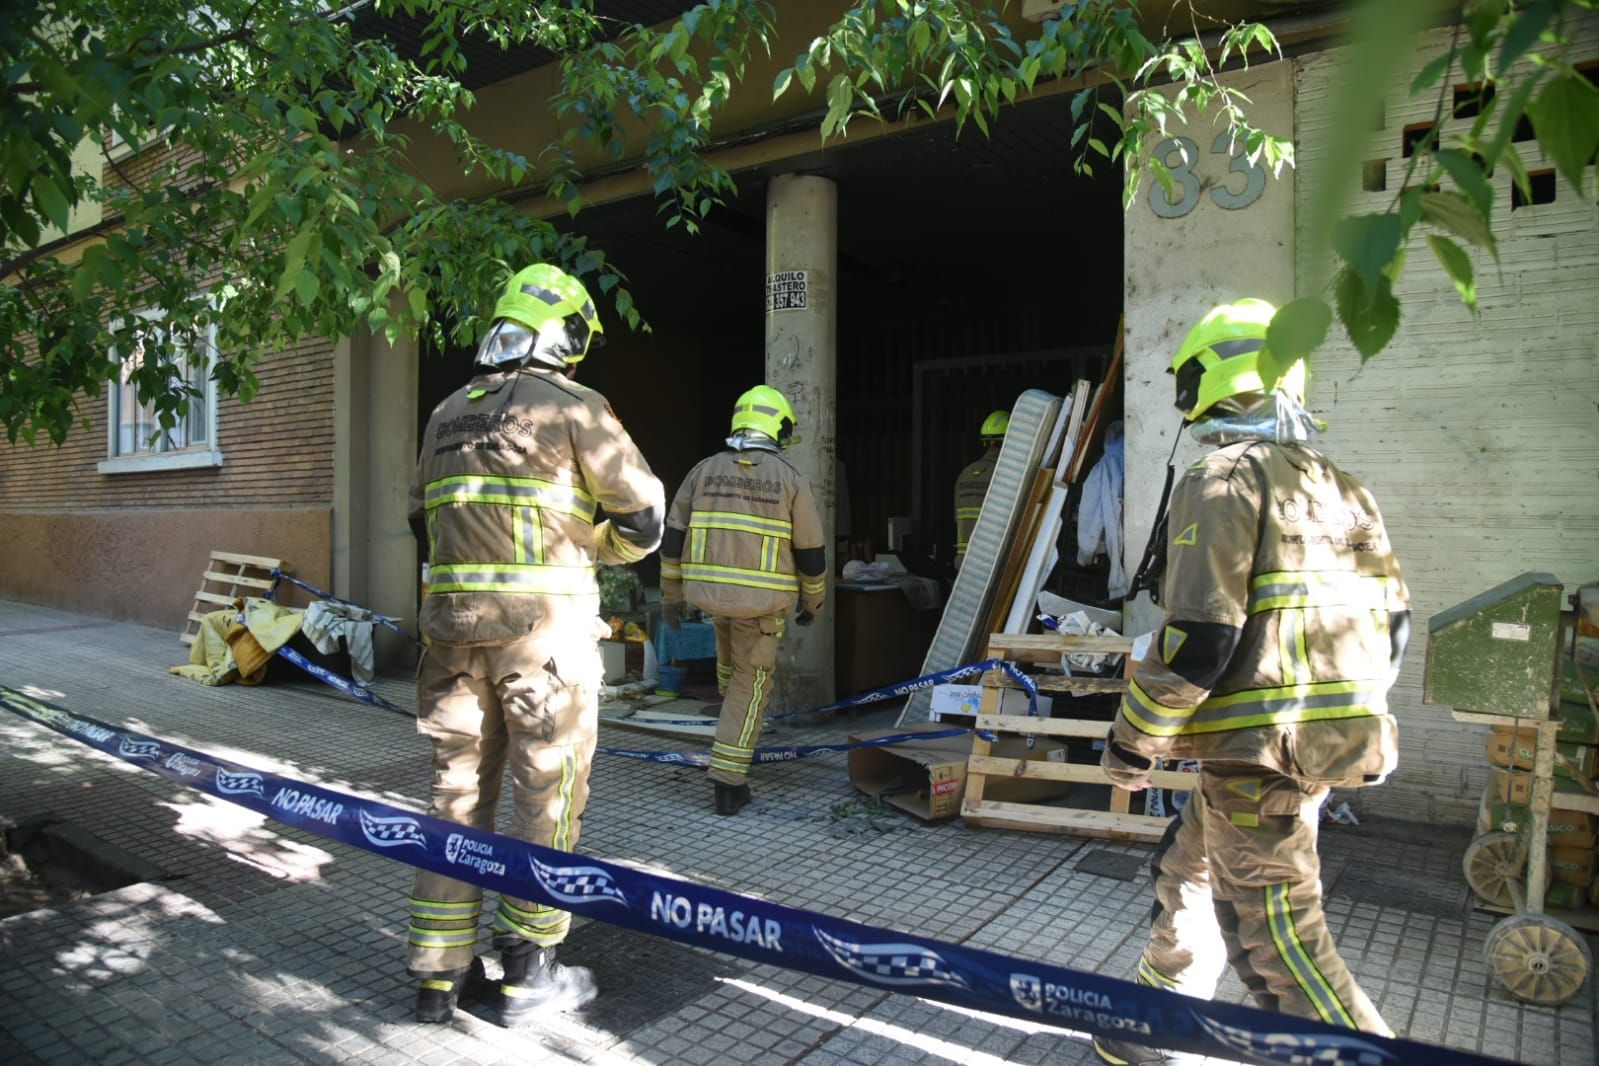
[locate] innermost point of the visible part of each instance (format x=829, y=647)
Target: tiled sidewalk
x=270, y=945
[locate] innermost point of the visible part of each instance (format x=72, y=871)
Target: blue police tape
x=343, y=684
x=764, y=756
x=752, y=928
x=903, y=688
x=887, y=692
x=322, y=594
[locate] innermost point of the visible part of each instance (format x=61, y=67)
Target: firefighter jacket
x=970, y=488
x=743, y=538
x=1286, y=620
x=513, y=471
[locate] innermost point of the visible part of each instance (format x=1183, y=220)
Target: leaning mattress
x=958, y=641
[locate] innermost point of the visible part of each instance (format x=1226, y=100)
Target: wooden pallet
x=228, y=576
x=1117, y=823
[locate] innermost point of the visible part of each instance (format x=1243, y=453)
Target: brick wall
x=277, y=451
x=1479, y=437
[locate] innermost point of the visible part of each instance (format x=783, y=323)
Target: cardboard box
x=624, y=658
x=1516, y=749
x=927, y=778
x=965, y=700
x=1572, y=866
x=1515, y=786
x=1561, y=896
x=1567, y=829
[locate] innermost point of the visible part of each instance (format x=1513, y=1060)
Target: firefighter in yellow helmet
x=514, y=469
x=972, y=484
x=1286, y=618
x=744, y=544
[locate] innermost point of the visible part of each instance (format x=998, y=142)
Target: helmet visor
x=508, y=344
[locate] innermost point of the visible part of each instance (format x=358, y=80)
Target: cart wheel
x=1493, y=862
x=1538, y=959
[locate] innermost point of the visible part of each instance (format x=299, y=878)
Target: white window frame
x=188, y=457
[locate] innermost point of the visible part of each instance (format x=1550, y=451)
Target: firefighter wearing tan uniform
x=972, y=485
x=1286, y=617
x=744, y=544
x=514, y=468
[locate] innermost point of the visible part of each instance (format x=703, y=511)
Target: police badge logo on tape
x=577, y=885
x=393, y=832
x=187, y=765
x=894, y=965
x=244, y=784
x=464, y=851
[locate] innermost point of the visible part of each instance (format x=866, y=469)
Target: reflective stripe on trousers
x=1237, y=879
x=751, y=645
x=483, y=708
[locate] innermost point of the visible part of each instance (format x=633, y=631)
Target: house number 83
x=1180, y=154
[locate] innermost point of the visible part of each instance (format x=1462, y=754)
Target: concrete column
x=1228, y=234
x=351, y=449
x=390, y=552
x=802, y=363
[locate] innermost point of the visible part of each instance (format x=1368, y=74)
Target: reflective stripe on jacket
x=513, y=471
x=736, y=530
x=970, y=489
x=1285, y=614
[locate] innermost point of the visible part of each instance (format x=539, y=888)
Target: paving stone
x=278, y=946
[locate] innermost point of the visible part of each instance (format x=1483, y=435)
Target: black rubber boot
x=438, y=993
x=535, y=984
x=1122, y=1053
x=730, y=799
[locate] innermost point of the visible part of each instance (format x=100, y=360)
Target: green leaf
x=784, y=78
x=1368, y=243
x=52, y=202
x=1370, y=314
x=1523, y=33
x=1431, y=73
x=1410, y=207
x=1469, y=176
x=1298, y=328
x=306, y=286
x=1457, y=264
x=1566, y=119
x=1453, y=212
x=1079, y=101
x=294, y=261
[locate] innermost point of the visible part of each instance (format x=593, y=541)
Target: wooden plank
x=1106, y=824
x=1057, y=683
x=1587, y=918
x=249, y=560
x=1043, y=727
x=239, y=579
x=1096, y=411
x=211, y=597
x=1082, y=686
x=1011, y=574
x=1043, y=647
x=1081, y=773
x=188, y=638
x=976, y=783
x=1572, y=802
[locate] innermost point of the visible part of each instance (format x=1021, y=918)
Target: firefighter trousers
x=747, y=648
x=1238, y=880
x=484, y=707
